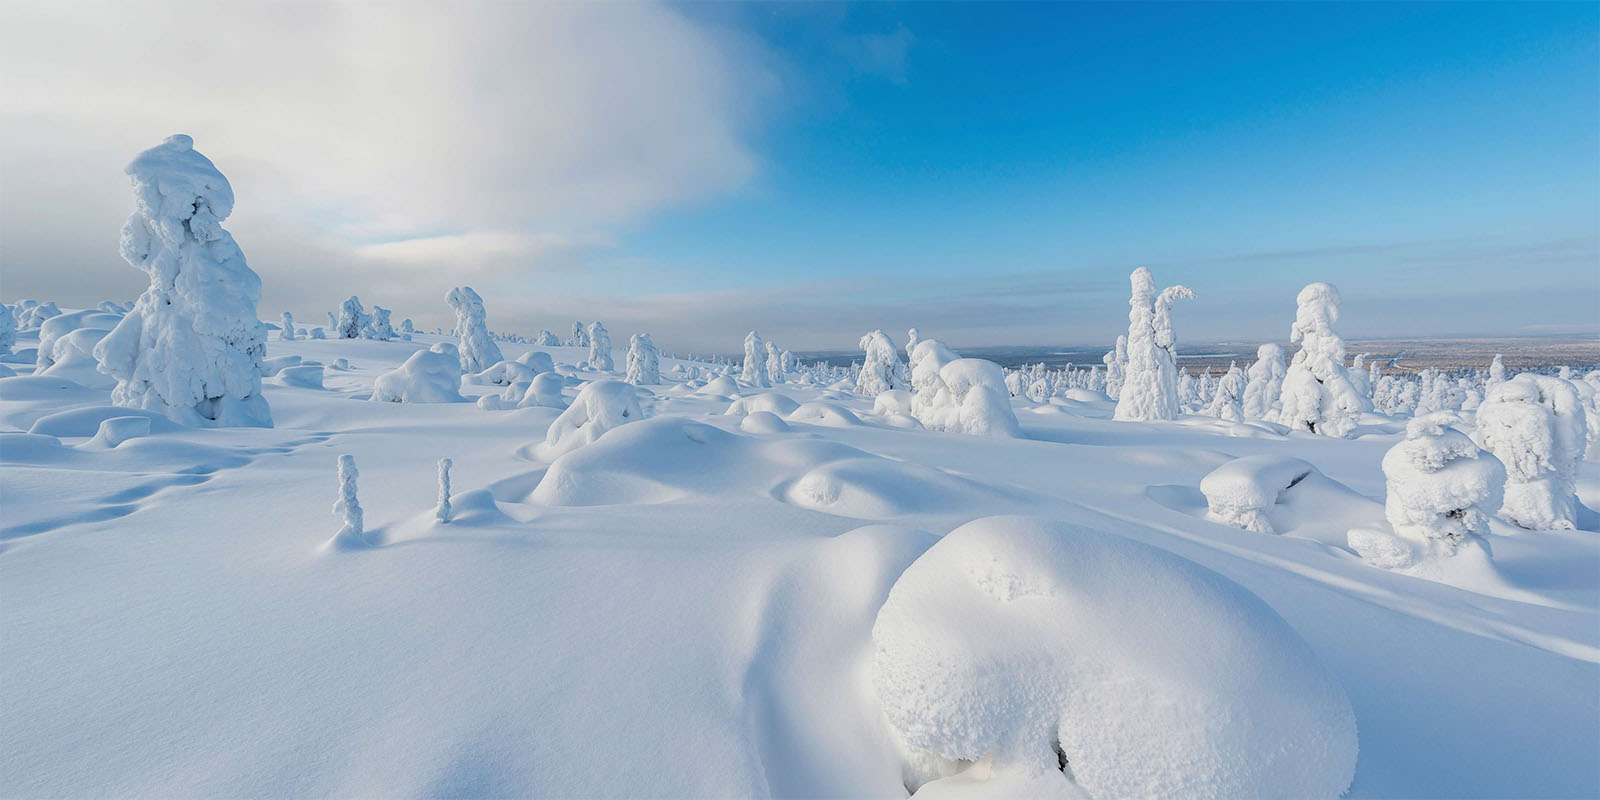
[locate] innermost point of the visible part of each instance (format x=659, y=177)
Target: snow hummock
x=425, y=377
x=1020, y=643
x=191, y=348
x=600, y=406
x=1240, y=492
x=968, y=395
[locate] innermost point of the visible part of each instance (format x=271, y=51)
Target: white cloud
x=494, y=135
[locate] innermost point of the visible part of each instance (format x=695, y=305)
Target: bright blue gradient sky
x=992, y=172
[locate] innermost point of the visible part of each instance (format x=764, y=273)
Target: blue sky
x=988, y=172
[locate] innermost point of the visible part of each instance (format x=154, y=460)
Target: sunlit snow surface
x=683, y=606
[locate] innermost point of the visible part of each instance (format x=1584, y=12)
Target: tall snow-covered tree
x=774, y=364
x=1150, y=385
x=1227, y=402
x=476, y=349
x=8, y=330
x=352, y=319
x=1116, y=364
x=880, y=366
x=192, y=346
x=288, y=327
x=912, y=337
x=1536, y=426
x=1441, y=487
x=1317, y=393
x=1265, y=383
x=754, y=370
x=644, y=363
x=378, y=326
x=580, y=336
x=600, y=348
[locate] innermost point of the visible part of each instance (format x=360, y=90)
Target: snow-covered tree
x=442, y=512
x=1497, y=370
x=352, y=319
x=546, y=339
x=348, y=505
x=406, y=326
x=477, y=350
x=754, y=371
x=192, y=346
x=774, y=364
x=600, y=348
x=912, y=337
x=1317, y=393
x=880, y=366
x=1150, y=385
x=1535, y=425
x=1441, y=487
x=8, y=330
x=378, y=326
x=1116, y=364
x=1227, y=402
x=318, y=333
x=1265, y=383
x=288, y=327
x=580, y=336
x=644, y=363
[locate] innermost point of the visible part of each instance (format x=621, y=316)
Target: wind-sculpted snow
x=1536, y=426
x=1052, y=652
x=599, y=407
x=426, y=377
x=1241, y=492
x=779, y=404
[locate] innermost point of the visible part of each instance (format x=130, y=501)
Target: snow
x=1150, y=380
x=1014, y=639
x=1242, y=491
x=1318, y=395
x=476, y=350
x=1536, y=426
x=426, y=377
x=678, y=597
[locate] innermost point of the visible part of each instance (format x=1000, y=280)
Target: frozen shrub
x=317, y=333
x=967, y=396
x=600, y=348
x=425, y=377
x=879, y=366
x=1242, y=491
x=477, y=352
x=599, y=407
x=1317, y=393
x=1441, y=487
x=378, y=326
x=544, y=391
x=441, y=512
x=1535, y=425
x=754, y=370
x=352, y=319
x=1150, y=385
x=288, y=327
x=1079, y=663
x=191, y=348
x=644, y=363
x=348, y=506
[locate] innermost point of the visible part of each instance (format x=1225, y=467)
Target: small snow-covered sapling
x=347, y=504
x=442, y=513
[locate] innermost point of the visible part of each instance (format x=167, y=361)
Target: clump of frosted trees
x=644, y=362
x=1317, y=393
x=1150, y=383
x=378, y=326
x=191, y=348
x=476, y=350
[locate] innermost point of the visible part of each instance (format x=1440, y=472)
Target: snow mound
x=78, y=422
x=544, y=391
x=117, y=430
x=1022, y=642
x=968, y=395
x=1240, y=492
x=599, y=407
x=872, y=487
x=72, y=357
x=537, y=361
x=272, y=366
x=425, y=377
x=893, y=402
x=720, y=385
x=763, y=422
x=776, y=403
x=828, y=415
x=304, y=376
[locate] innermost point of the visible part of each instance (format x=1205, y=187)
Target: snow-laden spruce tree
x=406, y=326
x=352, y=319
x=1265, y=383
x=546, y=339
x=1441, y=487
x=600, y=348
x=1535, y=425
x=1116, y=363
x=477, y=350
x=288, y=327
x=192, y=346
x=880, y=366
x=1497, y=370
x=580, y=336
x=1227, y=402
x=1150, y=384
x=348, y=506
x=8, y=330
x=378, y=326
x=774, y=364
x=1317, y=393
x=644, y=363
x=754, y=370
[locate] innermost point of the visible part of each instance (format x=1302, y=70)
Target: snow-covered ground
x=685, y=606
